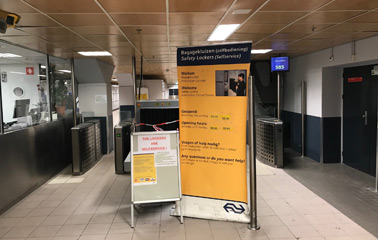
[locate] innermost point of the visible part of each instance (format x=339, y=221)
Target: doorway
x=360, y=118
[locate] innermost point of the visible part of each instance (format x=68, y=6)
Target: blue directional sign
x=279, y=64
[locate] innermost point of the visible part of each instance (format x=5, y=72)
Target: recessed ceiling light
x=8, y=55
x=18, y=73
x=65, y=71
x=261, y=51
x=222, y=32
x=242, y=11
x=95, y=53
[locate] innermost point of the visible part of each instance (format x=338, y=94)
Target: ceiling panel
x=289, y=36
x=36, y=20
x=235, y=18
x=352, y=5
x=260, y=28
x=248, y=37
x=190, y=29
x=75, y=20
x=16, y=6
x=350, y=27
x=106, y=38
x=248, y=4
x=370, y=17
x=329, y=17
x=196, y=37
x=328, y=34
x=140, y=19
x=275, y=17
x=96, y=30
x=306, y=28
x=194, y=18
x=199, y=5
x=66, y=6
x=145, y=30
x=43, y=31
x=294, y=5
x=14, y=32
x=133, y=6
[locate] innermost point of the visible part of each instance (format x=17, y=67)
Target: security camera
x=8, y=20
x=331, y=58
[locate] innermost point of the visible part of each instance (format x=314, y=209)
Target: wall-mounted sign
x=279, y=64
x=355, y=79
x=100, y=98
x=29, y=71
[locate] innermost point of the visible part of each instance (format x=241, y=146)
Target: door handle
x=365, y=116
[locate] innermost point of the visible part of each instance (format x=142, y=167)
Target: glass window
x=60, y=88
x=24, y=87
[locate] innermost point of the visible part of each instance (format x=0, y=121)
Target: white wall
x=87, y=97
x=16, y=77
x=310, y=68
x=126, y=95
x=156, y=89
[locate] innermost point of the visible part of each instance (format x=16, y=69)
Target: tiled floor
x=96, y=205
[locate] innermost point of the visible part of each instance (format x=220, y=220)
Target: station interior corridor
x=291, y=205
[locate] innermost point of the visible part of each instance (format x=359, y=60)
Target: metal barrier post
x=252, y=156
x=303, y=109
x=278, y=95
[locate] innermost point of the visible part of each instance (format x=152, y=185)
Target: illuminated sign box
x=279, y=64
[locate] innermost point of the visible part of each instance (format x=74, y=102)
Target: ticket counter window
x=24, y=87
x=61, y=88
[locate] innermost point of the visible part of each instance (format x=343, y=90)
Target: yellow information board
x=213, y=113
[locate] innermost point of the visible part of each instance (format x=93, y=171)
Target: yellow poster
x=144, y=170
x=213, y=113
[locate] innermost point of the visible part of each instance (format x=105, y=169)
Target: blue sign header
x=214, y=54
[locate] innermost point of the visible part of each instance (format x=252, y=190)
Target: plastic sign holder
x=155, y=169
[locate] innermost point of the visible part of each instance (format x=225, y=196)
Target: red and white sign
x=153, y=143
x=29, y=71
x=355, y=79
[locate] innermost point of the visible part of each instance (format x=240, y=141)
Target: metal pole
x=74, y=93
x=1, y=113
x=51, y=83
x=252, y=156
x=278, y=95
x=303, y=109
x=133, y=61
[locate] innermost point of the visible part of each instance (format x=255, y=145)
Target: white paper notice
x=100, y=98
x=166, y=159
x=154, y=143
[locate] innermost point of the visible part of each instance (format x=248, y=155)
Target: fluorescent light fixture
x=95, y=53
x=65, y=71
x=8, y=55
x=43, y=67
x=261, y=51
x=222, y=32
x=18, y=73
x=242, y=11
x=42, y=75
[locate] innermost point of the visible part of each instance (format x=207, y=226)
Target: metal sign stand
x=160, y=198
x=252, y=156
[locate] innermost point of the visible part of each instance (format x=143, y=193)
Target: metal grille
x=97, y=137
x=83, y=147
x=269, y=147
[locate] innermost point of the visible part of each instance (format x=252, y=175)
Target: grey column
x=252, y=156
